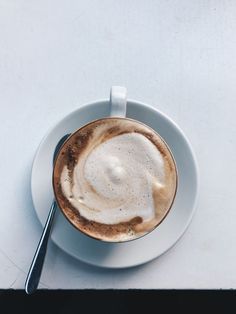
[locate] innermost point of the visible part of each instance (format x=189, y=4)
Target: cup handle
x=118, y=100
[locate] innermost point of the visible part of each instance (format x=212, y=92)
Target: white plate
x=128, y=254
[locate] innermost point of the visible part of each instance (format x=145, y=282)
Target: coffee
x=115, y=179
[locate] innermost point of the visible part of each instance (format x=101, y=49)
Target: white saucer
x=122, y=254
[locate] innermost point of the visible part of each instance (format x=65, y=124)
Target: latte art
x=116, y=178
x=114, y=182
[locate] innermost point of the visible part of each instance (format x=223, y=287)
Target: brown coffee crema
x=73, y=180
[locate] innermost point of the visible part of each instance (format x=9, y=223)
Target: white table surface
x=179, y=56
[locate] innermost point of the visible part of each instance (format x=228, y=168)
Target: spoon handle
x=35, y=270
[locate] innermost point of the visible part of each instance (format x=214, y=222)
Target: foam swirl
x=121, y=173
x=113, y=182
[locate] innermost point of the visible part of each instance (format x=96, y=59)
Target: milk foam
x=113, y=182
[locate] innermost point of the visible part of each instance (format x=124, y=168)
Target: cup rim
x=107, y=118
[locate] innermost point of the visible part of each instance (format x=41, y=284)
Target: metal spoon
x=36, y=266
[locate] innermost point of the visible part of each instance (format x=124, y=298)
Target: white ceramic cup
x=117, y=103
